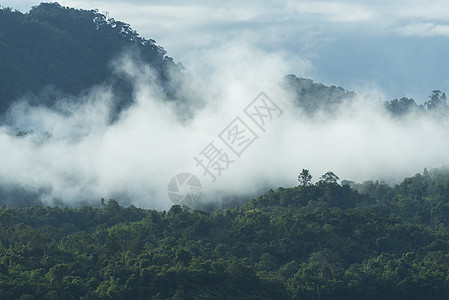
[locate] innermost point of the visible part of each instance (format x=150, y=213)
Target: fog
x=76, y=156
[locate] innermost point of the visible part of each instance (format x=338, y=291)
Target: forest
x=54, y=52
x=323, y=240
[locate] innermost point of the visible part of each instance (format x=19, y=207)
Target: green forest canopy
x=69, y=50
x=314, y=241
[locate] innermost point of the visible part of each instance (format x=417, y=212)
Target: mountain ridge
x=55, y=52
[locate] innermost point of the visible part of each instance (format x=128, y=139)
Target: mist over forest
x=92, y=110
x=316, y=191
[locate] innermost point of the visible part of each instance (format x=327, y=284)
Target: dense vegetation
x=54, y=52
x=314, y=241
x=437, y=103
x=314, y=97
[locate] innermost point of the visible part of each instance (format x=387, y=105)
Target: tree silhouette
x=437, y=100
x=329, y=177
x=305, y=178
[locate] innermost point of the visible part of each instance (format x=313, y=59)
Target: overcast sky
x=399, y=47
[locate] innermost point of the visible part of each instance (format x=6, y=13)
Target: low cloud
x=76, y=156
x=425, y=29
x=335, y=12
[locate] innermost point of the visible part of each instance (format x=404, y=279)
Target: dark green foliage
x=329, y=177
x=423, y=198
x=314, y=241
x=402, y=106
x=437, y=101
x=319, y=241
x=313, y=97
x=305, y=178
x=54, y=52
x=436, y=104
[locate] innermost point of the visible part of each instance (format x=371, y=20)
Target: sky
x=397, y=47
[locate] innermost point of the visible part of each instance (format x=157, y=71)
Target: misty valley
x=126, y=175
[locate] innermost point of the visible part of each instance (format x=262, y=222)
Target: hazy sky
x=398, y=46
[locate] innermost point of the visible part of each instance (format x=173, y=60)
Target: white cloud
x=422, y=10
x=21, y=5
x=425, y=29
x=135, y=157
x=338, y=12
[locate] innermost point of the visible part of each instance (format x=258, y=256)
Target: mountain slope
x=69, y=50
x=316, y=241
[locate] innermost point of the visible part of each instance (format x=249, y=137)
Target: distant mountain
x=55, y=52
x=68, y=50
x=312, y=96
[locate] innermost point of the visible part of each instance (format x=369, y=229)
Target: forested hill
x=314, y=241
x=69, y=50
x=55, y=52
x=313, y=97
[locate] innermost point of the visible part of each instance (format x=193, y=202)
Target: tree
x=305, y=178
x=329, y=177
x=437, y=100
x=5, y=215
x=402, y=106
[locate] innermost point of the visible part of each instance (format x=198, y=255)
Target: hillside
x=314, y=241
x=321, y=240
x=55, y=51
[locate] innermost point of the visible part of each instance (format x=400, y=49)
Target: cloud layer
x=85, y=158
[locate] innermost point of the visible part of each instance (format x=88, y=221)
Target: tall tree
x=305, y=178
x=329, y=177
x=437, y=100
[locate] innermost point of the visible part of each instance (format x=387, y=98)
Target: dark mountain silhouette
x=56, y=51
x=313, y=97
